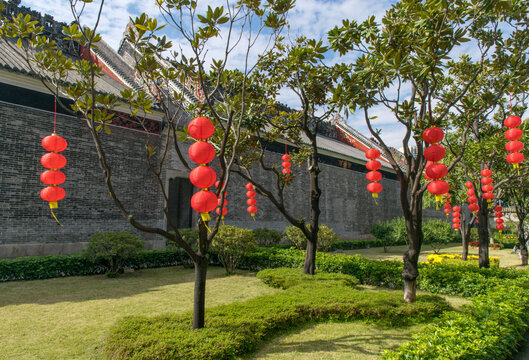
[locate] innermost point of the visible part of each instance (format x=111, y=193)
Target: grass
x=335, y=340
x=68, y=318
x=507, y=258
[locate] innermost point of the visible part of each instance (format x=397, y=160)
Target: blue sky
x=311, y=18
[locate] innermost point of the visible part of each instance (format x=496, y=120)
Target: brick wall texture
x=27, y=227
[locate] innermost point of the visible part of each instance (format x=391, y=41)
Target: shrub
x=267, y=237
x=231, y=244
x=115, y=247
x=326, y=237
x=285, y=278
x=190, y=236
x=456, y=259
x=392, y=232
x=236, y=329
x=438, y=233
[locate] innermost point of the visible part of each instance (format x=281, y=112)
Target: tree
x=406, y=65
x=223, y=104
x=298, y=68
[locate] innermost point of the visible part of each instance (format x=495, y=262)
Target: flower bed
x=447, y=258
x=493, y=246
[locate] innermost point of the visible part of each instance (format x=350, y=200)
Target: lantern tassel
x=374, y=195
x=205, y=218
x=253, y=216
x=53, y=205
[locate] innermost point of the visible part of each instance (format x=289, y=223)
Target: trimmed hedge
x=44, y=267
x=236, y=329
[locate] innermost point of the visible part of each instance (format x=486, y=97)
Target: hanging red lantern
x=202, y=152
x=373, y=165
x=470, y=192
x=434, y=152
x=456, y=226
x=472, y=199
x=486, y=180
x=498, y=208
x=436, y=171
x=487, y=188
x=200, y=128
x=473, y=207
x=447, y=206
x=52, y=194
x=456, y=208
x=203, y=177
x=373, y=176
x=456, y=220
x=515, y=159
x=372, y=154
x=447, y=211
x=500, y=227
x=456, y=214
x=286, y=166
x=252, y=209
x=285, y=157
x=499, y=221
x=469, y=184
x=54, y=143
x=438, y=188
x=488, y=196
x=433, y=135
x=53, y=161
x=513, y=121
x=514, y=146
x=486, y=172
x=51, y=177
x=203, y=202
x=374, y=188
x=513, y=134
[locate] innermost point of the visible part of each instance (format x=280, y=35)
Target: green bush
x=438, y=233
x=326, y=238
x=267, y=237
x=392, y=232
x=285, y=278
x=115, y=247
x=190, y=236
x=231, y=244
x=236, y=329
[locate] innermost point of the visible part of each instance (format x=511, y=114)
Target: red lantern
x=456, y=214
x=286, y=167
x=203, y=177
x=434, y=152
x=252, y=209
x=486, y=180
x=224, y=208
x=436, y=171
x=286, y=164
x=512, y=121
x=438, y=188
x=373, y=176
x=373, y=165
x=447, y=211
x=433, y=135
x=372, y=154
x=498, y=214
x=54, y=142
x=447, y=206
x=515, y=159
x=498, y=208
x=456, y=208
x=51, y=177
x=286, y=172
x=456, y=226
x=456, y=220
x=203, y=202
x=514, y=146
x=500, y=227
x=52, y=194
x=53, y=161
x=469, y=184
x=499, y=221
x=486, y=172
x=201, y=152
x=200, y=128
x=285, y=157
x=487, y=188
x=488, y=196
x=472, y=199
x=470, y=192
x=374, y=188
x=513, y=134
x=473, y=207
x=224, y=211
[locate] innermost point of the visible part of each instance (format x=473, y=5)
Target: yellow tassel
x=253, y=216
x=205, y=217
x=54, y=205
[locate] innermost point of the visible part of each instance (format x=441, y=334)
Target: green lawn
x=67, y=318
x=507, y=258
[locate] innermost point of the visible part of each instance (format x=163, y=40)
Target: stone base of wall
x=10, y=251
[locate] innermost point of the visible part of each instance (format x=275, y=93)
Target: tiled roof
x=13, y=58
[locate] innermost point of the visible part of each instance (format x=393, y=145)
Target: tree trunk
x=483, y=232
x=411, y=256
x=521, y=241
x=315, y=193
x=201, y=269
x=465, y=234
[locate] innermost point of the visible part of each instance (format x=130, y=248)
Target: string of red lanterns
x=456, y=218
x=224, y=208
x=374, y=187
x=487, y=187
x=499, y=220
x=447, y=206
x=472, y=199
x=435, y=170
x=203, y=177
x=53, y=177
x=286, y=166
x=514, y=146
x=252, y=201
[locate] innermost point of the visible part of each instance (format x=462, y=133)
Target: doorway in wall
x=179, y=210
